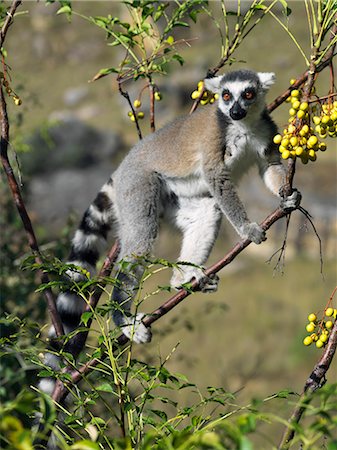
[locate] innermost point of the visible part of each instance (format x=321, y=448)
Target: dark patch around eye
x=249, y=94
x=226, y=95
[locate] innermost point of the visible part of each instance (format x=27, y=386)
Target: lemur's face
x=237, y=98
x=241, y=93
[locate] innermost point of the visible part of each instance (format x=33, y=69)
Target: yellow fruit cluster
x=326, y=122
x=206, y=96
x=140, y=115
x=17, y=100
x=299, y=138
x=321, y=336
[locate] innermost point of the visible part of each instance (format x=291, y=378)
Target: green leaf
x=178, y=58
x=105, y=387
x=85, y=317
x=66, y=9
x=104, y=72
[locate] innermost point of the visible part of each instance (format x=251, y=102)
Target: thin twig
x=8, y=21
x=309, y=218
x=125, y=94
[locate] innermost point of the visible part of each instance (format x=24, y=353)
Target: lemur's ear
x=213, y=84
x=266, y=79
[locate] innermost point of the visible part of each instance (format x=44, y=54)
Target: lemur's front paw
x=209, y=283
x=253, y=232
x=135, y=330
x=185, y=274
x=292, y=201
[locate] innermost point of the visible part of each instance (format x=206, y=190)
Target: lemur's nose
x=236, y=112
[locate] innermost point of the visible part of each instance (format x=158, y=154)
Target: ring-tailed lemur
x=187, y=170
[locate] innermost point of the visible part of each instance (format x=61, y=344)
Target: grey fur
x=188, y=172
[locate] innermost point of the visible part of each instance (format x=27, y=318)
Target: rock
x=68, y=143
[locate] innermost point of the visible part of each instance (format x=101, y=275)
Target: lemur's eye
x=249, y=95
x=226, y=96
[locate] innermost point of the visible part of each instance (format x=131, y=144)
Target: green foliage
x=147, y=36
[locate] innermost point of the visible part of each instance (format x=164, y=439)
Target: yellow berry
x=200, y=85
x=17, y=101
x=130, y=113
x=204, y=102
x=319, y=344
x=304, y=106
x=137, y=103
x=294, y=141
x=312, y=317
x=325, y=119
x=282, y=149
x=299, y=151
x=300, y=114
x=333, y=116
x=157, y=96
x=292, y=81
x=291, y=128
x=323, y=337
x=314, y=337
x=312, y=141
x=285, y=154
x=312, y=155
x=285, y=142
x=216, y=96
x=132, y=118
x=296, y=104
x=195, y=95
x=316, y=120
x=310, y=327
x=277, y=139
x=322, y=146
x=329, y=324
x=140, y=115
x=307, y=340
x=292, y=112
x=295, y=93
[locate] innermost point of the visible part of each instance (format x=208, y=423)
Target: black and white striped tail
x=87, y=244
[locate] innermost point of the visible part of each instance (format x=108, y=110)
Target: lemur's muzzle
x=236, y=112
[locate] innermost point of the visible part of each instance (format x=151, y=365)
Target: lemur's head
x=241, y=92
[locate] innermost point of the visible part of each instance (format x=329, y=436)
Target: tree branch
x=15, y=189
x=315, y=381
x=9, y=20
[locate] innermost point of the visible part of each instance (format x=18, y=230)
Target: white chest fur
x=245, y=143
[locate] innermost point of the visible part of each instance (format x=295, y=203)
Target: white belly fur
x=190, y=186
